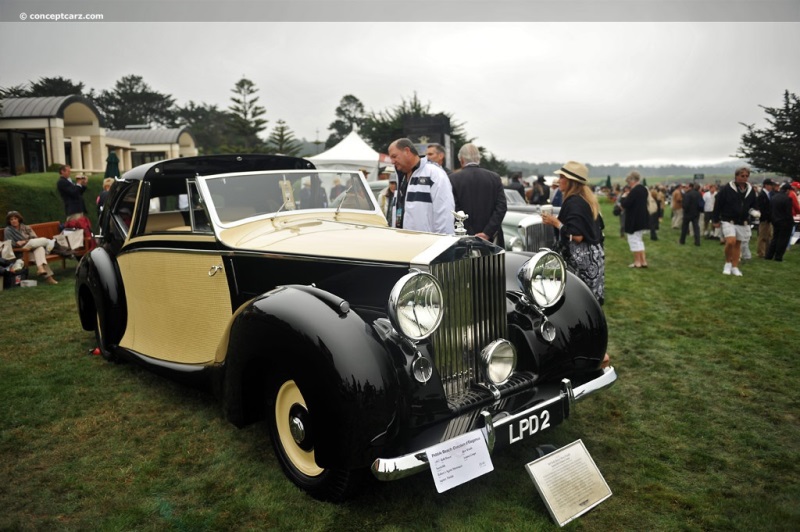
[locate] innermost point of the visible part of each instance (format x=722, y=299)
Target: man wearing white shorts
x=634, y=204
x=735, y=202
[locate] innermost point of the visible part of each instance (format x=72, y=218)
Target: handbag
x=70, y=239
x=652, y=205
x=7, y=250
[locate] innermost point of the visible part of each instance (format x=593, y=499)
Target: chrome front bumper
x=403, y=466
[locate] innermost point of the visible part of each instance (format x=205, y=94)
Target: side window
x=168, y=208
x=123, y=211
x=120, y=215
x=197, y=210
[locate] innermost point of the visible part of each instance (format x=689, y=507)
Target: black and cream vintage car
x=360, y=345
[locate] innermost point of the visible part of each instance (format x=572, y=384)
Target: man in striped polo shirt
x=424, y=199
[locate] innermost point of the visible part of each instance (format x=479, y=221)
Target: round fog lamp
x=548, y=331
x=500, y=360
x=422, y=369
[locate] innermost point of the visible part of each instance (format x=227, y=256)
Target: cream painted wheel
x=294, y=429
x=294, y=438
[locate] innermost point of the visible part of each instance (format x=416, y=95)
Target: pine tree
x=775, y=148
x=246, y=121
x=282, y=140
x=57, y=86
x=133, y=102
x=210, y=127
x=349, y=114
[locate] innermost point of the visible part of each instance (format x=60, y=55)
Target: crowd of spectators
x=726, y=212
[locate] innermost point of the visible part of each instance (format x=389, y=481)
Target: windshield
x=513, y=197
x=240, y=196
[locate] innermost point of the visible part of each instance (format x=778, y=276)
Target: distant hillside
x=308, y=148
x=721, y=170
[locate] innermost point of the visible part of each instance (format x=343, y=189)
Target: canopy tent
x=352, y=153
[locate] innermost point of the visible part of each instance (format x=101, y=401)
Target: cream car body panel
x=344, y=239
x=175, y=291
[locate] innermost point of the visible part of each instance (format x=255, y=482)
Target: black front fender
x=340, y=364
x=581, y=333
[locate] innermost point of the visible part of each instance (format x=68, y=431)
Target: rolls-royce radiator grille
x=538, y=236
x=475, y=315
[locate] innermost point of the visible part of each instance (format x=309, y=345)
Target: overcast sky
x=638, y=92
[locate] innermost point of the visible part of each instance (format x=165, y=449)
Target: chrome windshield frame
x=202, y=183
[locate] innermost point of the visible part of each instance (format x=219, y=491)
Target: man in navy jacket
x=735, y=203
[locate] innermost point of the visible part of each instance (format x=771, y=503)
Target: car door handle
x=214, y=269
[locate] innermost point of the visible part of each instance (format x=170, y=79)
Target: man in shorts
x=735, y=202
x=634, y=204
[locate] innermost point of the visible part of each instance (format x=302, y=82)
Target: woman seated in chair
x=22, y=236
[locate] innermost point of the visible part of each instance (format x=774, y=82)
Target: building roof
x=149, y=136
x=44, y=107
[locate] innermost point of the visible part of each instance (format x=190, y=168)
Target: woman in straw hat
x=579, y=227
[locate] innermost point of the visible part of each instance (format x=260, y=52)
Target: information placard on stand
x=569, y=482
x=459, y=460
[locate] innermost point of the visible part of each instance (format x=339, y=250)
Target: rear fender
x=339, y=362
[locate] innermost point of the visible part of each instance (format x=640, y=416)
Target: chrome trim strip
x=183, y=368
x=161, y=249
x=424, y=259
x=602, y=382
x=387, y=469
x=219, y=226
x=261, y=254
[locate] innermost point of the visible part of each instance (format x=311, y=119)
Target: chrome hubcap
x=297, y=429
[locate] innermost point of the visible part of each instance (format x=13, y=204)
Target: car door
x=177, y=292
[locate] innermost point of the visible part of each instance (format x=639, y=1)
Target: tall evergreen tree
x=57, y=86
x=246, y=121
x=775, y=148
x=15, y=91
x=349, y=114
x=282, y=140
x=381, y=128
x=209, y=126
x=133, y=102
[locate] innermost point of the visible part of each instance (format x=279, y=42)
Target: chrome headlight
x=500, y=360
x=415, y=305
x=517, y=244
x=543, y=278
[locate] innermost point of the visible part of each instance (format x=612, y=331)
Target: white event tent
x=352, y=153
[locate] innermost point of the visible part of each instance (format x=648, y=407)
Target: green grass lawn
x=701, y=431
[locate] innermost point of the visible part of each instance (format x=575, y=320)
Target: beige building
x=151, y=145
x=38, y=132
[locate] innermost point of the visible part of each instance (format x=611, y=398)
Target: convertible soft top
x=185, y=167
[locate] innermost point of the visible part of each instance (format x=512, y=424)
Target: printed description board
x=569, y=482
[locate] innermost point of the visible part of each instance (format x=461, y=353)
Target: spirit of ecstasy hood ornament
x=460, y=217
